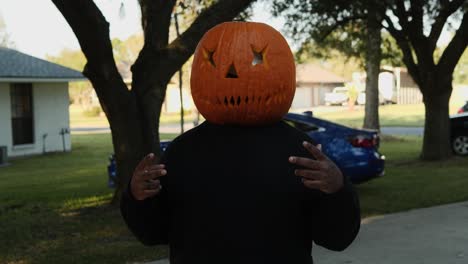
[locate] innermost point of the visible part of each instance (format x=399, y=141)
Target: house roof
x=17, y=66
x=312, y=73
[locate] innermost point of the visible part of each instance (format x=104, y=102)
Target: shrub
x=92, y=111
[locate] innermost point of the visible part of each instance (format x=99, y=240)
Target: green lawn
x=54, y=208
x=79, y=119
x=410, y=183
x=390, y=115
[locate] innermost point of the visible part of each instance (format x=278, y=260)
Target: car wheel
x=460, y=145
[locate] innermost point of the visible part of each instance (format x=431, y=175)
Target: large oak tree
x=352, y=28
x=134, y=113
x=416, y=25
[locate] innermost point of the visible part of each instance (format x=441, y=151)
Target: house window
x=21, y=113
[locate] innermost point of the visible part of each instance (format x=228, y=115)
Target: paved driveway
x=433, y=235
x=436, y=235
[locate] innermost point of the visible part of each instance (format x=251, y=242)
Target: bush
x=92, y=111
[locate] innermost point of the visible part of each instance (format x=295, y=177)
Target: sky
x=40, y=29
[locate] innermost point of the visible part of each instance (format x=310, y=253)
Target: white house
x=34, y=102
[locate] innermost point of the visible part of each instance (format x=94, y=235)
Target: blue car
x=355, y=151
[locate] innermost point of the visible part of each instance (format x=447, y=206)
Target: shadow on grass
x=41, y=233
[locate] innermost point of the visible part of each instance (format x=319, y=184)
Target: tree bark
x=373, y=57
x=436, y=143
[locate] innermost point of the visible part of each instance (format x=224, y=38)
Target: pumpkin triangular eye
x=232, y=73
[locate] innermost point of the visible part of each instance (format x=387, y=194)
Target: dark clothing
x=231, y=196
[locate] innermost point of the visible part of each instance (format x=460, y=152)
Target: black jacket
x=231, y=196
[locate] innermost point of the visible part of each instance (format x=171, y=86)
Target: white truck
x=339, y=96
x=387, y=90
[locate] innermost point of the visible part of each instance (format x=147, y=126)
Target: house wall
x=311, y=95
x=5, y=117
x=302, y=98
x=50, y=114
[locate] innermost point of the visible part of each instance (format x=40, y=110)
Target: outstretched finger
x=153, y=174
x=306, y=162
x=313, y=184
x=309, y=174
x=146, y=162
x=315, y=151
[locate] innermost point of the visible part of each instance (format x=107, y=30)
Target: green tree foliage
x=321, y=27
x=351, y=28
x=337, y=46
x=415, y=26
x=79, y=92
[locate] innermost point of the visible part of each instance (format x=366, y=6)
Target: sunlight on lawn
x=390, y=115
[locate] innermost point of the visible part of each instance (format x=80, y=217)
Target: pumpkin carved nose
x=232, y=73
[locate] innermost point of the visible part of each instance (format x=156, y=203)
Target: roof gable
x=17, y=65
x=311, y=73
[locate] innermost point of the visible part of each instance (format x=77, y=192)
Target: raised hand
x=145, y=181
x=321, y=174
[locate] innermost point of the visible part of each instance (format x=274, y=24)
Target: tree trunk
x=124, y=120
x=134, y=114
x=436, y=143
x=373, y=57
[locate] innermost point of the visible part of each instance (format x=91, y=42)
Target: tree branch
x=416, y=24
x=92, y=32
x=400, y=12
x=455, y=48
x=156, y=21
x=405, y=47
x=183, y=47
x=338, y=24
x=447, y=9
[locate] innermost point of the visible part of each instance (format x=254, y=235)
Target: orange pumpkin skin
x=243, y=73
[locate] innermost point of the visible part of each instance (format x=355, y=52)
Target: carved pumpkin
x=243, y=73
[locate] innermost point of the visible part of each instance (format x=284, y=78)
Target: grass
x=78, y=118
x=390, y=115
x=410, y=183
x=54, y=208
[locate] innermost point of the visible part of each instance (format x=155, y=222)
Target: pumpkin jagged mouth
x=237, y=101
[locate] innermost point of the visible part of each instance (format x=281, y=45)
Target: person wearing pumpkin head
x=243, y=186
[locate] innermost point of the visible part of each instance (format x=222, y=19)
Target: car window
x=305, y=127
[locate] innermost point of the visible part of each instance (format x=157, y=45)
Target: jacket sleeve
x=337, y=218
x=148, y=219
